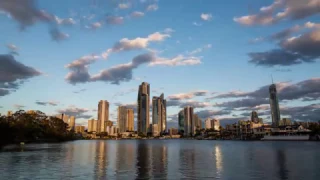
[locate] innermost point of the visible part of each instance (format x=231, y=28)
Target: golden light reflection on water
x=218, y=158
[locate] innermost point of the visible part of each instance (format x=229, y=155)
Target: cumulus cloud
x=75, y=111
x=58, y=35
x=114, y=20
x=126, y=44
x=168, y=30
x=25, y=12
x=12, y=47
x=189, y=95
x=295, y=50
x=45, y=103
x=197, y=24
x=281, y=10
x=152, y=7
x=179, y=60
x=137, y=14
x=94, y=26
x=65, y=22
x=248, y=102
x=206, y=17
x=116, y=74
x=302, y=113
x=13, y=74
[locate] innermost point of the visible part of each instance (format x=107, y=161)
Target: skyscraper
x=143, y=108
x=254, y=117
x=197, y=121
x=181, y=121
x=130, y=119
x=189, y=126
x=159, y=113
x=122, y=119
x=208, y=123
x=103, y=115
x=274, y=105
x=72, y=123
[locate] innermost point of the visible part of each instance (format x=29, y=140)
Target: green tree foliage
x=25, y=127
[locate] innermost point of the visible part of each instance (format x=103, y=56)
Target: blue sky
x=212, y=38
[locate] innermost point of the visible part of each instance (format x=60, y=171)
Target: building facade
x=215, y=124
x=130, y=119
x=159, y=113
x=181, y=121
x=274, y=105
x=72, y=123
x=103, y=115
x=189, y=126
x=143, y=108
x=122, y=119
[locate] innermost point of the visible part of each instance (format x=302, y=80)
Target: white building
x=215, y=124
x=208, y=123
x=103, y=115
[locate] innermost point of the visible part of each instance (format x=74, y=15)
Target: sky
x=219, y=56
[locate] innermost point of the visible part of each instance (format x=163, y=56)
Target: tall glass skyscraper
x=159, y=113
x=122, y=119
x=103, y=116
x=181, y=121
x=143, y=108
x=274, y=105
x=189, y=126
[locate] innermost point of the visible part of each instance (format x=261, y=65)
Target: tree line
x=33, y=127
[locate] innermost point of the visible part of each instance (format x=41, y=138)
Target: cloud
x=152, y=7
x=44, y=103
x=124, y=5
x=256, y=40
x=295, y=50
x=124, y=92
x=137, y=14
x=114, y=20
x=195, y=104
x=12, y=47
x=95, y=25
x=133, y=106
x=189, y=95
x=206, y=17
x=75, y=111
x=13, y=73
x=199, y=50
x=307, y=89
x=4, y=92
x=285, y=33
x=204, y=114
x=18, y=106
x=65, y=22
x=302, y=113
x=179, y=60
x=126, y=44
x=197, y=24
x=81, y=90
x=24, y=12
x=116, y=74
x=58, y=35
x=168, y=30
x=291, y=9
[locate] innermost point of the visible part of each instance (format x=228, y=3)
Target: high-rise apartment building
x=181, y=121
x=79, y=129
x=63, y=117
x=122, y=119
x=189, y=126
x=208, y=123
x=197, y=121
x=143, y=108
x=72, y=123
x=254, y=117
x=159, y=113
x=274, y=105
x=90, y=125
x=130, y=119
x=103, y=115
x=215, y=124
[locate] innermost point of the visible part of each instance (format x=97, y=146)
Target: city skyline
x=65, y=59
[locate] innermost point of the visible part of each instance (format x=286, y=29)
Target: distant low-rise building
x=79, y=129
x=173, y=131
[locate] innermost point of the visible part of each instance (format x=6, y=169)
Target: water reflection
x=143, y=161
x=282, y=163
x=159, y=161
x=218, y=160
x=101, y=161
x=187, y=163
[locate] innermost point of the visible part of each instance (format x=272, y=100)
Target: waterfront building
x=285, y=122
x=130, y=119
x=189, y=126
x=109, y=123
x=173, y=131
x=254, y=117
x=215, y=124
x=197, y=122
x=181, y=121
x=72, y=123
x=95, y=126
x=274, y=105
x=159, y=115
x=63, y=117
x=208, y=123
x=92, y=125
x=79, y=129
x=122, y=119
x=103, y=115
x=155, y=130
x=143, y=108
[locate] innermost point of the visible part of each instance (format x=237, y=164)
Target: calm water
x=164, y=159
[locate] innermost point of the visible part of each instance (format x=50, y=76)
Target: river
x=163, y=159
